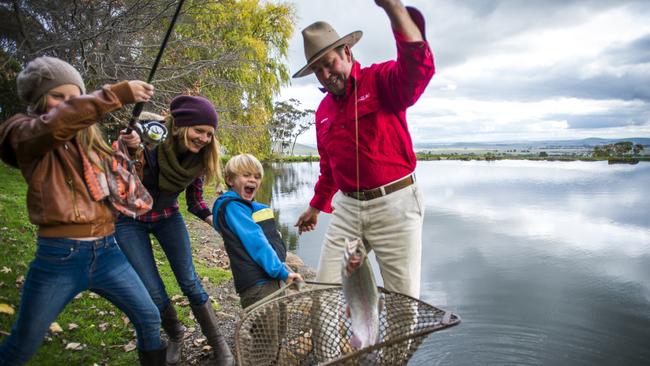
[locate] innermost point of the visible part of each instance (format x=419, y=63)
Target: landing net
x=309, y=327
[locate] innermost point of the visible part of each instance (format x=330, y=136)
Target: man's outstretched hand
x=307, y=220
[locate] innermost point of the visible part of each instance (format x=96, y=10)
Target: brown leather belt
x=383, y=190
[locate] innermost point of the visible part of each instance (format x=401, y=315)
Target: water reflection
x=546, y=262
x=287, y=186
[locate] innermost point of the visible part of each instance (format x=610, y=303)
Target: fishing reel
x=151, y=132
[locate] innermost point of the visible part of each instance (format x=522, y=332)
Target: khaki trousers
x=391, y=226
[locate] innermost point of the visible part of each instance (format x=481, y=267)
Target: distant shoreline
x=487, y=157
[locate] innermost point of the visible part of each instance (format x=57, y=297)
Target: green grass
x=89, y=313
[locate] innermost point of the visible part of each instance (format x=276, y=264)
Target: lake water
x=547, y=263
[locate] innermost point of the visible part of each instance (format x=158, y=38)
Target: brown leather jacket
x=42, y=147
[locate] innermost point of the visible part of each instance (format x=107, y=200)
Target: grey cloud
x=618, y=118
x=469, y=29
x=636, y=52
x=631, y=81
x=562, y=82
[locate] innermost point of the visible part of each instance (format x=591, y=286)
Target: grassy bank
x=100, y=329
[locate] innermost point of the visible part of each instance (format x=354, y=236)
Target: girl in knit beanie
x=183, y=162
x=76, y=249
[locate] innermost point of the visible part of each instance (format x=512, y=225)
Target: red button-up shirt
x=385, y=149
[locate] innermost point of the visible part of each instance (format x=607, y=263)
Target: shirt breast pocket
x=323, y=132
x=368, y=111
x=364, y=108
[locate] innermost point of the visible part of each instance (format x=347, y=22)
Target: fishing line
x=356, y=141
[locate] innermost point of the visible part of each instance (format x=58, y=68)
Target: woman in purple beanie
x=182, y=163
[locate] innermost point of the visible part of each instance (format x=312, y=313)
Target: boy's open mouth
x=249, y=189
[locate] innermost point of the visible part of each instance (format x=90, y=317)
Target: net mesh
x=310, y=327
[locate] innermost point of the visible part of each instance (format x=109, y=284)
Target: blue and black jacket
x=252, y=240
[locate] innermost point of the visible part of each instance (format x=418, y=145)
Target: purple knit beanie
x=190, y=110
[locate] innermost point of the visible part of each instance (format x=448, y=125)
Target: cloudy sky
x=507, y=69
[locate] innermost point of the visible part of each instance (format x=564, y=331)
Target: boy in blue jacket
x=250, y=234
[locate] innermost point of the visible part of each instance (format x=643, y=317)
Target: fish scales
x=361, y=295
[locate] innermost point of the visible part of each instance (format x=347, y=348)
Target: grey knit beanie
x=45, y=73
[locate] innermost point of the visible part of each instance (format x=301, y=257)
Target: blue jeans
x=61, y=269
x=133, y=237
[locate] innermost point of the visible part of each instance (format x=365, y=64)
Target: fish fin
x=355, y=342
x=446, y=318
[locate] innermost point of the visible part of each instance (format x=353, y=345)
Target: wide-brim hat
x=319, y=38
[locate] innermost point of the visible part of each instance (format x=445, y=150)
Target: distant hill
x=582, y=143
x=301, y=150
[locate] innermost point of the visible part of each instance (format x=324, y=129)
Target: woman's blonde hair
x=211, y=160
x=242, y=164
x=90, y=138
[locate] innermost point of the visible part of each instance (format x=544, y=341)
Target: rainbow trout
x=361, y=295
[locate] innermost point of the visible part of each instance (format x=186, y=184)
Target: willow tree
x=231, y=51
x=250, y=38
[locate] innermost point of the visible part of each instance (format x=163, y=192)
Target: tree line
x=231, y=51
x=622, y=148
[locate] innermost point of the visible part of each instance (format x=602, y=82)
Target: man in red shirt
x=366, y=154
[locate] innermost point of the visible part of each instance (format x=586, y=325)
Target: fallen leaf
x=72, y=326
x=130, y=346
x=79, y=296
x=7, y=309
x=55, y=328
x=125, y=320
x=93, y=295
x=103, y=326
x=73, y=346
x=5, y=270
x=206, y=349
x=199, y=341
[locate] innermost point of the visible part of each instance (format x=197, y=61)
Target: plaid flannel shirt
x=195, y=204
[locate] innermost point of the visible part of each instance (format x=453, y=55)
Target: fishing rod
x=153, y=131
